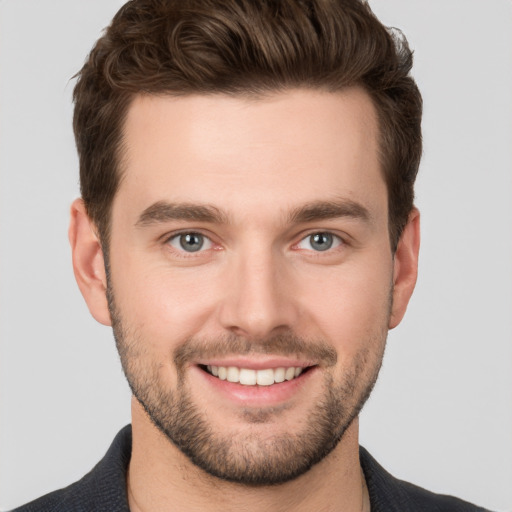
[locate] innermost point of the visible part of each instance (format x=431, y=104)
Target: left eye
x=322, y=241
x=190, y=242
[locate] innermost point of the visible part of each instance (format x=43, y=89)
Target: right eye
x=190, y=242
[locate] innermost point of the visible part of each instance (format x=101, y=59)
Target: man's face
x=249, y=245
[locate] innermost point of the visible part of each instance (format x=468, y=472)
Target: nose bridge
x=257, y=297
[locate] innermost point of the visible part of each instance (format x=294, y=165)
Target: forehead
x=275, y=151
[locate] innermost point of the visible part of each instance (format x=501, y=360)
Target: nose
x=258, y=297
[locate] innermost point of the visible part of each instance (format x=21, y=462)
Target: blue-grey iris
x=191, y=242
x=321, y=241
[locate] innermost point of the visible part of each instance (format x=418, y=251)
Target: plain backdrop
x=441, y=415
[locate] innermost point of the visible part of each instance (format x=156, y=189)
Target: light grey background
x=441, y=415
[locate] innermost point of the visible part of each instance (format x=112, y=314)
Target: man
x=247, y=228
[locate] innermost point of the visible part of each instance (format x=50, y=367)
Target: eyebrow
x=163, y=211
x=324, y=210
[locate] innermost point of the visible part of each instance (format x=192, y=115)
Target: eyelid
x=341, y=240
x=185, y=231
x=168, y=238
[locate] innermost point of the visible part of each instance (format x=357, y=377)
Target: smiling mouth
x=250, y=377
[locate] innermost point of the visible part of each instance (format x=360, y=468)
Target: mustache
x=283, y=344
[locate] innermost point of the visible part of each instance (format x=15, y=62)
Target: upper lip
x=260, y=363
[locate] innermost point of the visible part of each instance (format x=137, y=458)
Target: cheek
x=351, y=306
x=164, y=307
x=344, y=304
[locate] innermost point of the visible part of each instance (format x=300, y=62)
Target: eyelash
x=175, y=237
x=337, y=241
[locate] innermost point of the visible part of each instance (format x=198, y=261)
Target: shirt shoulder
x=389, y=494
x=103, y=489
x=75, y=497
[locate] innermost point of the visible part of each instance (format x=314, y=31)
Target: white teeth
x=233, y=374
x=265, y=377
x=290, y=373
x=249, y=377
x=279, y=374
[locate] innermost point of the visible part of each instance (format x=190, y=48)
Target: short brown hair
x=241, y=47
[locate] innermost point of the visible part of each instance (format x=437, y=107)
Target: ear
x=88, y=262
x=405, y=268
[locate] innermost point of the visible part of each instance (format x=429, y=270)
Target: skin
x=257, y=161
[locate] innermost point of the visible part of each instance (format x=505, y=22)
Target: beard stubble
x=248, y=458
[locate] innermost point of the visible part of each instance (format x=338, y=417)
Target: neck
x=160, y=478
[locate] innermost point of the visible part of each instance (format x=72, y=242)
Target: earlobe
x=405, y=268
x=88, y=262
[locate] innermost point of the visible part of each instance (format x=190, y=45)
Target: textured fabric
x=388, y=494
x=104, y=488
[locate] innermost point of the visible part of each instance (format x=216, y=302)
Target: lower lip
x=257, y=396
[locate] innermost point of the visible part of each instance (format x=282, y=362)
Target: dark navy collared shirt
x=104, y=488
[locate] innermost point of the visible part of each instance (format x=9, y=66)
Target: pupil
x=191, y=242
x=321, y=241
